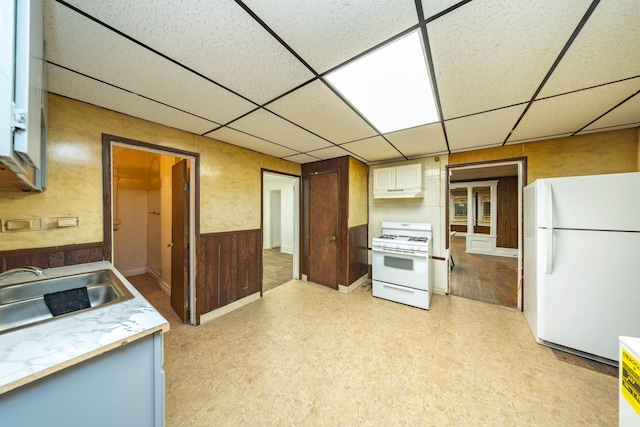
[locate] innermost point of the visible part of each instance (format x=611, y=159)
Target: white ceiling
x=251, y=73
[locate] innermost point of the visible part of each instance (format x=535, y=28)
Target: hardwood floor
x=278, y=268
x=483, y=278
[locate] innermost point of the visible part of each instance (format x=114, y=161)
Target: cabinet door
x=384, y=179
x=409, y=176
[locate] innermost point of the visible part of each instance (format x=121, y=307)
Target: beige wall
x=598, y=153
x=358, y=193
x=229, y=185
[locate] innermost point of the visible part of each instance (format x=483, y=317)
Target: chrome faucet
x=29, y=269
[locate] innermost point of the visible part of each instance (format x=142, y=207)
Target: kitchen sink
x=23, y=304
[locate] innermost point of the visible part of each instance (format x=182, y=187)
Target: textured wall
x=598, y=153
x=358, y=193
x=230, y=176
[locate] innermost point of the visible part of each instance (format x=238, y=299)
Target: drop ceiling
x=253, y=73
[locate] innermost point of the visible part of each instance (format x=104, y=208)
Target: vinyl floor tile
x=307, y=355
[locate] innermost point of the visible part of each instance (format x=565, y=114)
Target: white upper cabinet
x=398, y=182
x=384, y=179
x=22, y=96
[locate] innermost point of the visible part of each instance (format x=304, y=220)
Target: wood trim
x=106, y=199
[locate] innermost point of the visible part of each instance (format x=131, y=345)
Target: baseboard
x=286, y=249
x=503, y=252
x=164, y=286
x=219, y=312
x=133, y=271
x=507, y=252
x=354, y=285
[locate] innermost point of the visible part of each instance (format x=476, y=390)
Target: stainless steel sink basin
x=23, y=304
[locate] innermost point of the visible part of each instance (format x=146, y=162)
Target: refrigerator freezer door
x=597, y=202
x=591, y=296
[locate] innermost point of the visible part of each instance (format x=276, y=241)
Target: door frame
x=296, y=220
x=108, y=141
x=521, y=162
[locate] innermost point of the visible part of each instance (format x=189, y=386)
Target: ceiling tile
x=240, y=139
x=626, y=115
x=302, y=158
x=433, y=7
x=275, y=129
x=567, y=113
x=495, y=53
x=606, y=49
x=482, y=130
x=373, y=149
x=421, y=140
x=328, y=33
x=330, y=152
x=116, y=60
x=217, y=39
x=93, y=92
x=318, y=109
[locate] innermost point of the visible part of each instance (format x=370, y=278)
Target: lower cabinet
x=123, y=387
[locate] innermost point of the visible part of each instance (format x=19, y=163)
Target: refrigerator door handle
x=549, y=268
x=549, y=200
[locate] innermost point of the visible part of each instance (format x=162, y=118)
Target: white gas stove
x=401, y=263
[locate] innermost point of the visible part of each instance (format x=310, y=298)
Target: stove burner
x=419, y=239
x=388, y=236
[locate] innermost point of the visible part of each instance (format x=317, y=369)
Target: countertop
x=36, y=351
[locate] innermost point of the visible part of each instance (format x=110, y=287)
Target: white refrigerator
x=582, y=262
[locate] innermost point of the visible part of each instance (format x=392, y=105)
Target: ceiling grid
x=253, y=73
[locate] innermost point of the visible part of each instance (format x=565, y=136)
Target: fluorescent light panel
x=390, y=86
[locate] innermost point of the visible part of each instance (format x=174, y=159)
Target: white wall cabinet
x=398, y=182
x=22, y=96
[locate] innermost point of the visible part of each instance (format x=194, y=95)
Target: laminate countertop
x=30, y=353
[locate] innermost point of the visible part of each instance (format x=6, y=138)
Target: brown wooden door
x=323, y=229
x=180, y=238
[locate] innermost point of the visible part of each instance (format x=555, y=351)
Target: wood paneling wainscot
x=55, y=256
x=507, y=218
x=358, y=252
x=229, y=268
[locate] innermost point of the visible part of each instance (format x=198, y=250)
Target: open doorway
x=280, y=229
x=484, y=205
x=144, y=212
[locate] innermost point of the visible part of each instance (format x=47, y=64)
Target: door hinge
x=186, y=186
x=18, y=118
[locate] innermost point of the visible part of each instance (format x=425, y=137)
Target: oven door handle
x=398, y=288
x=412, y=254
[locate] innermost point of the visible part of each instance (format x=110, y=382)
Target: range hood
x=398, y=193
